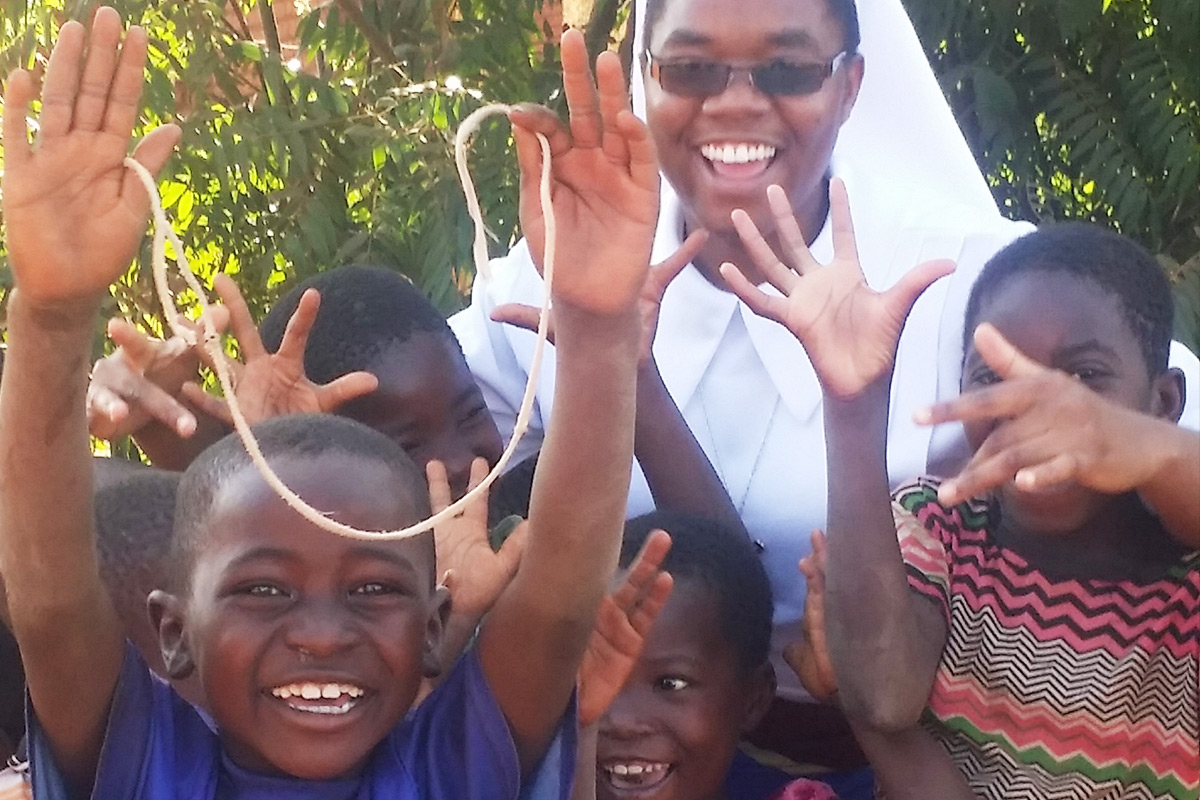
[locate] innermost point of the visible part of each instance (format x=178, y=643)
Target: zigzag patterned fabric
x=1055, y=689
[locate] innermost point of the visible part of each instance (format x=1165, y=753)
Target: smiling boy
x=309, y=646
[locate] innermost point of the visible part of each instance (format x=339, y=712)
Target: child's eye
x=672, y=684
x=476, y=414
x=374, y=589
x=262, y=590
x=984, y=377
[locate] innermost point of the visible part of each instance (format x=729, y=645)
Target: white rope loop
x=212, y=340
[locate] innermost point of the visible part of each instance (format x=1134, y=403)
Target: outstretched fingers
x=788, y=228
x=587, y=129
x=61, y=83
x=100, y=64
x=904, y=295
x=240, y=322
x=841, y=223
x=761, y=303
x=777, y=273
x=662, y=273
x=18, y=93
x=439, y=485
x=610, y=82
x=1002, y=356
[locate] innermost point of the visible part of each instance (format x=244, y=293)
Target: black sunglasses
x=694, y=78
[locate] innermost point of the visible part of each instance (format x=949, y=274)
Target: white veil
x=901, y=136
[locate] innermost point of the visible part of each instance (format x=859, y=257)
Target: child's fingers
x=995, y=466
x=478, y=507
x=299, y=325
x=903, y=296
x=641, y=574
x=240, y=322
x=1059, y=469
x=105, y=412
x=340, y=391
x=610, y=80
x=760, y=303
x=647, y=611
x=580, y=89
x=819, y=547
x=100, y=63
x=61, y=81
x=439, y=485
x=1002, y=356
x=777, y=273
x=207, y=404
x=125, y=95
x=136, y=348
x=999, y=401
x=643, y=158
x=18, y=92
x=789, y=231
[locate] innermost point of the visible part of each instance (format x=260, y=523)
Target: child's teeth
x=331, y=691
x=317, y=691
x=310, y=691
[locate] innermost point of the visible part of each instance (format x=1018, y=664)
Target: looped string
x=211, y=340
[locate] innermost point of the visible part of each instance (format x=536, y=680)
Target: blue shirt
x=454, y=746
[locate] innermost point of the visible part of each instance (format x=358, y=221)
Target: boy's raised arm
x=605, y=196
x=74, y=218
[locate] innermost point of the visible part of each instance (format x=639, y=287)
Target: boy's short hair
x=363, y=310
x=1112, y=262
x=726, y=561
x=309, y=435
x=134, y=509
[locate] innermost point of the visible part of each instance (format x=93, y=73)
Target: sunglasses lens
x=693, y=78
x=786, y=78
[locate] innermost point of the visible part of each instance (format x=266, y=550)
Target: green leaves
x=1082, y=109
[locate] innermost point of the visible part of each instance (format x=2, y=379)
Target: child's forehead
x=1059, y=300
x=358, y=491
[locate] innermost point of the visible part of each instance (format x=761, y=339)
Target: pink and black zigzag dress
x=1055, y=689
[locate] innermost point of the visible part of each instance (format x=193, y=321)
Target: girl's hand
x=849, y=330
x=622, y=624
x=273, y=384
x=74, y=213
x=1049, y=429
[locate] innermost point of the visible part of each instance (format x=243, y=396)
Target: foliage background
x=318, y=136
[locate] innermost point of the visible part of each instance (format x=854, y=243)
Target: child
x=267, y=608
x=1042, y=604
x=701, y=680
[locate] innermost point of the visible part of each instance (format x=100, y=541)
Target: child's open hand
x=474, y=573
x=849, y=330
x=809, y=657
x=1049, y=429
x=142, y=379
x=622, y=624
x=74, y=213
x=273, y=384
x=604, y=186
x=649, y=303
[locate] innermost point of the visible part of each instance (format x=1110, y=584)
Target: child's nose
x=320, y=629
x=626, y=718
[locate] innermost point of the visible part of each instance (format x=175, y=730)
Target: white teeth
x=317, y=691
x=741, y=153
x=339, y=709
x=636, y=769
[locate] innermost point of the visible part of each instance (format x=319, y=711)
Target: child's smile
x=311, y=646
x=673, y=730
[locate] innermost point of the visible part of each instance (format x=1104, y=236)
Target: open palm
x=75, y=216
x=604, y=185
x=849, y=330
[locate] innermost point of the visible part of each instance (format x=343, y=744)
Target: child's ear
x=166, y=615
x=761, y=693
x=435, y=626
x=1169, y=395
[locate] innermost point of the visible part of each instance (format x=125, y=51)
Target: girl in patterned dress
x=1039, y=613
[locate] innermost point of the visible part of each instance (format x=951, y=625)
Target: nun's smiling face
x=722, y=151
